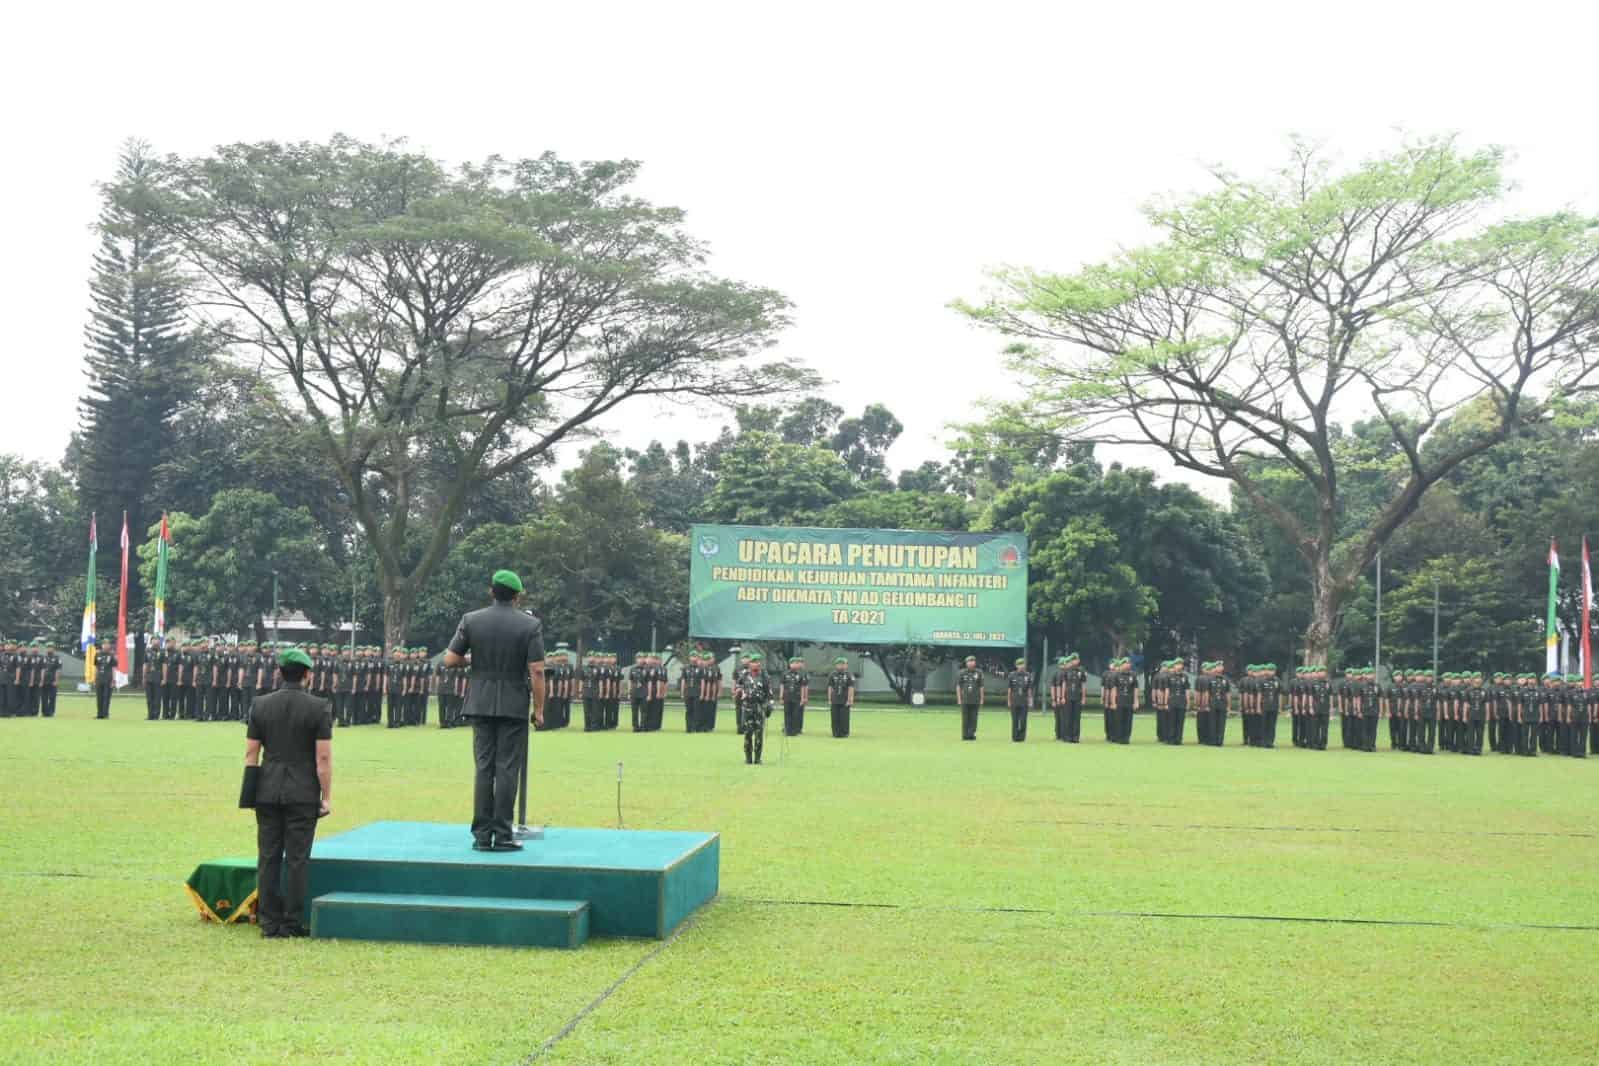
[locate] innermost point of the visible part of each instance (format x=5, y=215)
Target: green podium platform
x=399, y=878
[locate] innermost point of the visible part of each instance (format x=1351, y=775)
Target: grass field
x=899, y=897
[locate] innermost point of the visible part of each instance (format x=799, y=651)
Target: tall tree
x=455, y=324
x=1271, y=306
x=40, y=542
x=140, y=358
x=224, y=563
x=863, y=443
x=762, y=481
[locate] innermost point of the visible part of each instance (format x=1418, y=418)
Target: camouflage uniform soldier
x=754, y=695
x=1018, y=697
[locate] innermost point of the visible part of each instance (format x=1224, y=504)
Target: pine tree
x=140, y=358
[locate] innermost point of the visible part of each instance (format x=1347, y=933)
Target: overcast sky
x=868, y=160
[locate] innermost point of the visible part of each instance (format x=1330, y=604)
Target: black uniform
x=1126, y=696
x=288, y=723
x=795, y=683
x=1176, y=707
x=1069, y=720
x=503, y=641
x=639, y=680
x=105, y=678
x=969, y=688
x=1269, y=692
x=840, y=687
x=1018, y=696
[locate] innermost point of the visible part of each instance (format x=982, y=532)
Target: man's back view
x=507, y=661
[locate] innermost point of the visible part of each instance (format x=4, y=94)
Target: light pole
x=1376, y=654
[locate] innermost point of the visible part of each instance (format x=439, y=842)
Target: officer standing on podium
x=507, y=663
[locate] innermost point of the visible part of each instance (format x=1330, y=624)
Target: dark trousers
x=1426, y=735
x=152, y=701
x=593, y=714
x=752, y=723
x=1319, y=722
x=1112, y=717
x=1203, y=722
x=1018, y=723
x=283, y=835
x=1473, y=740
x=48, y=707
x=968, y=721
x=1218, y=728
x=1074, y=721
x=1525, y=738
x=708, y=716
x=793, y=718
x=1124, y=725
x=1268, y=729
x=637, y=709
x=841, y=719
x=498, y=746
x=102, y=701
x=1177, y=725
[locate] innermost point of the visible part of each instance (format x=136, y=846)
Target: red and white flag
x=122, y=672
x=1587, y=624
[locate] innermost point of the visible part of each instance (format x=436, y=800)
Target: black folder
x=252, y=781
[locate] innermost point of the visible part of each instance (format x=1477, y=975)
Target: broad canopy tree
x=1271, y=309
x=454, y=325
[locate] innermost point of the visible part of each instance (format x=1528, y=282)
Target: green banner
x=858, y=586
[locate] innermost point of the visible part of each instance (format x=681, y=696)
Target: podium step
x=552, y=923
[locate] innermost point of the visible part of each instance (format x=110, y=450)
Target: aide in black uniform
x=507, y=661
x=295, y=789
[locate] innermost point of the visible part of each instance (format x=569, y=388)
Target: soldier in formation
x=840, y=696
x=969, y=690
x=1212, y=703
x=1018, y=698
x=1066, y=697
x=796, y=692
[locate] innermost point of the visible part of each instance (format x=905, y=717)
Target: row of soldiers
x=29, y=678
x=199, y=680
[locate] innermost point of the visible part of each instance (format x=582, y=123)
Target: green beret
x=294, y=656
x=507, y=579
x=1021, y=662
x=1575, y=679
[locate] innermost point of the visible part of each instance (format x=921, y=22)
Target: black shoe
x=271, y=934
x=507, y=845
x=295, y=932
x=482, y=845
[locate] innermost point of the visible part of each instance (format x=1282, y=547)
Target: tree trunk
x=398, y=601
x=1327, y=596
